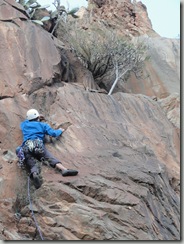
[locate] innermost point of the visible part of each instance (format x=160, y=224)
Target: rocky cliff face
x=125, y=148
x=161, y=75
x=127, y=17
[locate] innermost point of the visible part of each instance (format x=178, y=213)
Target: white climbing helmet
x=32, y=114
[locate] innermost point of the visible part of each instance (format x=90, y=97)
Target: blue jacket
x=36, y=129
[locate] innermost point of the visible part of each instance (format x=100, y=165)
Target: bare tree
x=106, y=54
x=118, y=76
x=133, y=61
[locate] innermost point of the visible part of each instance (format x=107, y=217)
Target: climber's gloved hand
x=57, y=138
x=62, y=129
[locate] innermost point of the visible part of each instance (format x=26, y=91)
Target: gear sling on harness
x=33, y=146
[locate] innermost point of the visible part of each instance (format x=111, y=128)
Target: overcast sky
x=164, y=14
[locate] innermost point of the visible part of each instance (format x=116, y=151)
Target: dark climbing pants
x=31, y=160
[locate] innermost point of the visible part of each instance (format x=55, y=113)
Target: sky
x=164, y=14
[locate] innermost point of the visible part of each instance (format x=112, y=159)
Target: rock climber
x=33, y=148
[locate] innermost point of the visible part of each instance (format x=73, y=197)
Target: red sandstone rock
x=125, y=148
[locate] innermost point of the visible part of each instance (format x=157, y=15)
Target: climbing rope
x=32, y=212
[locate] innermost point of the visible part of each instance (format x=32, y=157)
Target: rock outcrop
x=161, y=74
x=127, y=17
x=128, y=182
x=126, y=150
x=171, y=106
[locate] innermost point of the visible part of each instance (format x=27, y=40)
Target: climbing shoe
x=69, y=172
x=36, y=180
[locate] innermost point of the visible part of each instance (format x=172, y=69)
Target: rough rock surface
x=171, y=106
x=128, y=182
x=161, y=74
x=125, y=148
x=127, y=17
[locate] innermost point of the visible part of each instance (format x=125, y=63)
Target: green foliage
x=37, y=22
x=31, y=6
x=61, y=14
x=61, y=10
x=72, y=12
x=105, y=53
x=45, y=18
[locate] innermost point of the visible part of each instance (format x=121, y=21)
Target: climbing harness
x=32, y=212
x=34, y=146
x=21, y=157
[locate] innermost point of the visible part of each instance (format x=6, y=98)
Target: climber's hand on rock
x=62, y=129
